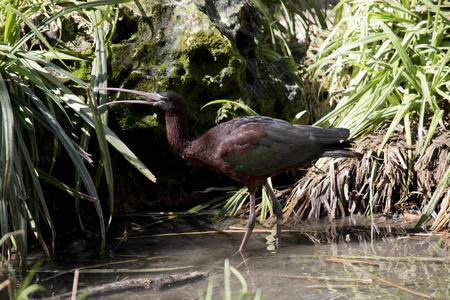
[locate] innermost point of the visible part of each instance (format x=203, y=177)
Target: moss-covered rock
x=205, y=50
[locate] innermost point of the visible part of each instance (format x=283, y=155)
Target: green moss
x=207, y=64
x=82, y=69
x=131, y=62
x=120, y=64
x=130, y=118
x=208, y=56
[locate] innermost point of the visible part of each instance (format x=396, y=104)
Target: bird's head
x=167, y=100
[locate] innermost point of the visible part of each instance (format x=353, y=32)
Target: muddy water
x=176, y=256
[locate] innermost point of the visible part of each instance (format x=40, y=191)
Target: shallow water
x=350, y=258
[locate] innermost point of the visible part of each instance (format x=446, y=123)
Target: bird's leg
x=278, y=211
x=250, y=224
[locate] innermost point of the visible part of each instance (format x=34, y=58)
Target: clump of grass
x=34, y=93
x=24, y=289
x=387, y=64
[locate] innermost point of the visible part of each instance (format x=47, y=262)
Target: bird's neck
x=177, y=132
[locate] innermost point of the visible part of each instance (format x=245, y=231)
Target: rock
x=205, y=50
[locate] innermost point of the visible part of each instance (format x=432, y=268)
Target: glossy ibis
x=248, y=149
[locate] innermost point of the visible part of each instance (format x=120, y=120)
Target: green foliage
x=390, y=62
x=24, y=289
x=33, y=98
x=229, y=107
x=234, y=203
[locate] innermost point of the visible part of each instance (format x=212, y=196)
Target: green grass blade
x=440, y=74
x=25, y=289
x=241, y=279
x=37, y=187
x=64, y=187
x=227, y=279
x=266, y=203
x=18, y=211
x=431, y=130
x=247, y=109
x=8, y=235
x=400, y=48
x=7, y=139
x=432, y=204
x=104, y=152
x=100, y=73
x=6, y=157
x=403, y=110
x=234, y=203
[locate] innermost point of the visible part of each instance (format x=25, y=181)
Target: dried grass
x=338, y=187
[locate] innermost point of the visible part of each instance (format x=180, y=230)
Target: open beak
x=153, y=98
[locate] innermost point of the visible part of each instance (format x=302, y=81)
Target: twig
x=75, y=284
x=174, y=234
x=63, y=272
x=144, y=282
x=365, y=280
x=334, y=286
x=351, y=260
x=7, y=283
x=394, y=258
x=243, y=229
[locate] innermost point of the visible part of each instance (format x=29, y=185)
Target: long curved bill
x=153, y=98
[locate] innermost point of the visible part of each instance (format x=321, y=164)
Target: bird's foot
x=278, y=235
x=277, y=243
x=241, y=249
x=244, y=241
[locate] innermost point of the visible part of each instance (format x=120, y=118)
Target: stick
x=75, y=284
x=143, y=282
x=364, y=280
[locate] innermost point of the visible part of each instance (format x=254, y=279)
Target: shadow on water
x=158, y=256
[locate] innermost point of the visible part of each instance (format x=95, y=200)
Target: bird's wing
x=262, y=146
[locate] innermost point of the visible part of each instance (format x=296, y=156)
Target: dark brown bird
x=247, y=149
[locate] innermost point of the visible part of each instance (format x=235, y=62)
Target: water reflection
x=350, y=258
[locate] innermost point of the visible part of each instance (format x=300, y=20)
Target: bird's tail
x=339, y=149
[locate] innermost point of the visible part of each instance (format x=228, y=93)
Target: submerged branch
x=141, y=282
